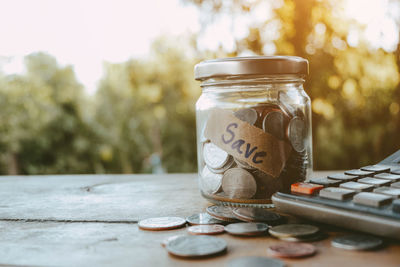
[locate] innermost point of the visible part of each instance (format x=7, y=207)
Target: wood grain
x=90, y=221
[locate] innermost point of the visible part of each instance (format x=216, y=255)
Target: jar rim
x=256, y=65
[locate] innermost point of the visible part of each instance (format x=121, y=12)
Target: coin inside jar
x=238, y=183
x=246, y=229
x=227, y=165
x=295, y=133
x=274, y=123
x=196, y=246
x=206, y=229
x=210, y=182
x=248, y=115
x=244, y=165
x=214, y=156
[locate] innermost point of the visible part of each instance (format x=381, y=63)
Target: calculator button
x=395, y=185
x=388, y=176
x=371, y=199
x=325, y=181
x=359, y=173
x=396, y=206
x=390, y=191
x=373, y=181
x=336, y=193
x=342, y=177
x=396, y=171
x=359, y=187
x=376, y=168
x=305, y=188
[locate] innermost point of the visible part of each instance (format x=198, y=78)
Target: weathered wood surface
x=90, y=221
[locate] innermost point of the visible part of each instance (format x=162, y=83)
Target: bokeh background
x=107, y=86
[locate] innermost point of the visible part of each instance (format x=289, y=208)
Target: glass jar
x=253, y=128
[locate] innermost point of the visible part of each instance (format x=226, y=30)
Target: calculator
x=365, y=199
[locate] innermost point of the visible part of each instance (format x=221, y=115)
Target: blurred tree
x=42, y=128
x=145, y=112
x=354, y=88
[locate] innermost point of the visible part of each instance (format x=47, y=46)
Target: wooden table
x=91, y=220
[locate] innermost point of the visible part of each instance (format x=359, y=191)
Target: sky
x=85, y=33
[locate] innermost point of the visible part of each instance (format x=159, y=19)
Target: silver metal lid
x=258, y=65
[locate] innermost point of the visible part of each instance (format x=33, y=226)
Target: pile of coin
x=247, y=222
x=224, y=177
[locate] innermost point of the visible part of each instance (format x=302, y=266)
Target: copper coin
x=214, y=156
x=203, y=219
x=252, y=261
x=274, y=123
x=292, y=250
x=206, y=229
x=293, y=230
x=248, y=115
x=210, y=182
x=165, y=242
x=196, y=246
x=247, y=229
x=257, y=215
x=239, y=183
x=222, y=213
x=296, y=133
x=161, y=223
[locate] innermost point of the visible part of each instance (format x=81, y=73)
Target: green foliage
x=141, y=118
x=355, y=90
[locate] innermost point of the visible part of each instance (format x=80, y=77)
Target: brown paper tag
x=248, y=143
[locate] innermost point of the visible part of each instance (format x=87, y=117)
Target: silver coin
x=213, y=229
x=247, y=228
x=248, y=115
x=257, y=215
x=284, y=103
x=274, y=123
x=244, y=165
x=214, y=156
x=161, y=223
x=210, y=182
x=293, y=230
x=356, y=242
x=203, y=219
x=196, y=246
x=239, y=183
x=308, y=238
x=296, y=133
x=253, y=261
x=228, y=165
x=221, y=213
x=203, y=138
x=165, y=242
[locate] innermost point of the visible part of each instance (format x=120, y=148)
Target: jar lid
x=257, y=65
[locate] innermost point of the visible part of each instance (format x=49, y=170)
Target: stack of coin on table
x=200, y=240
x=224, y=176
